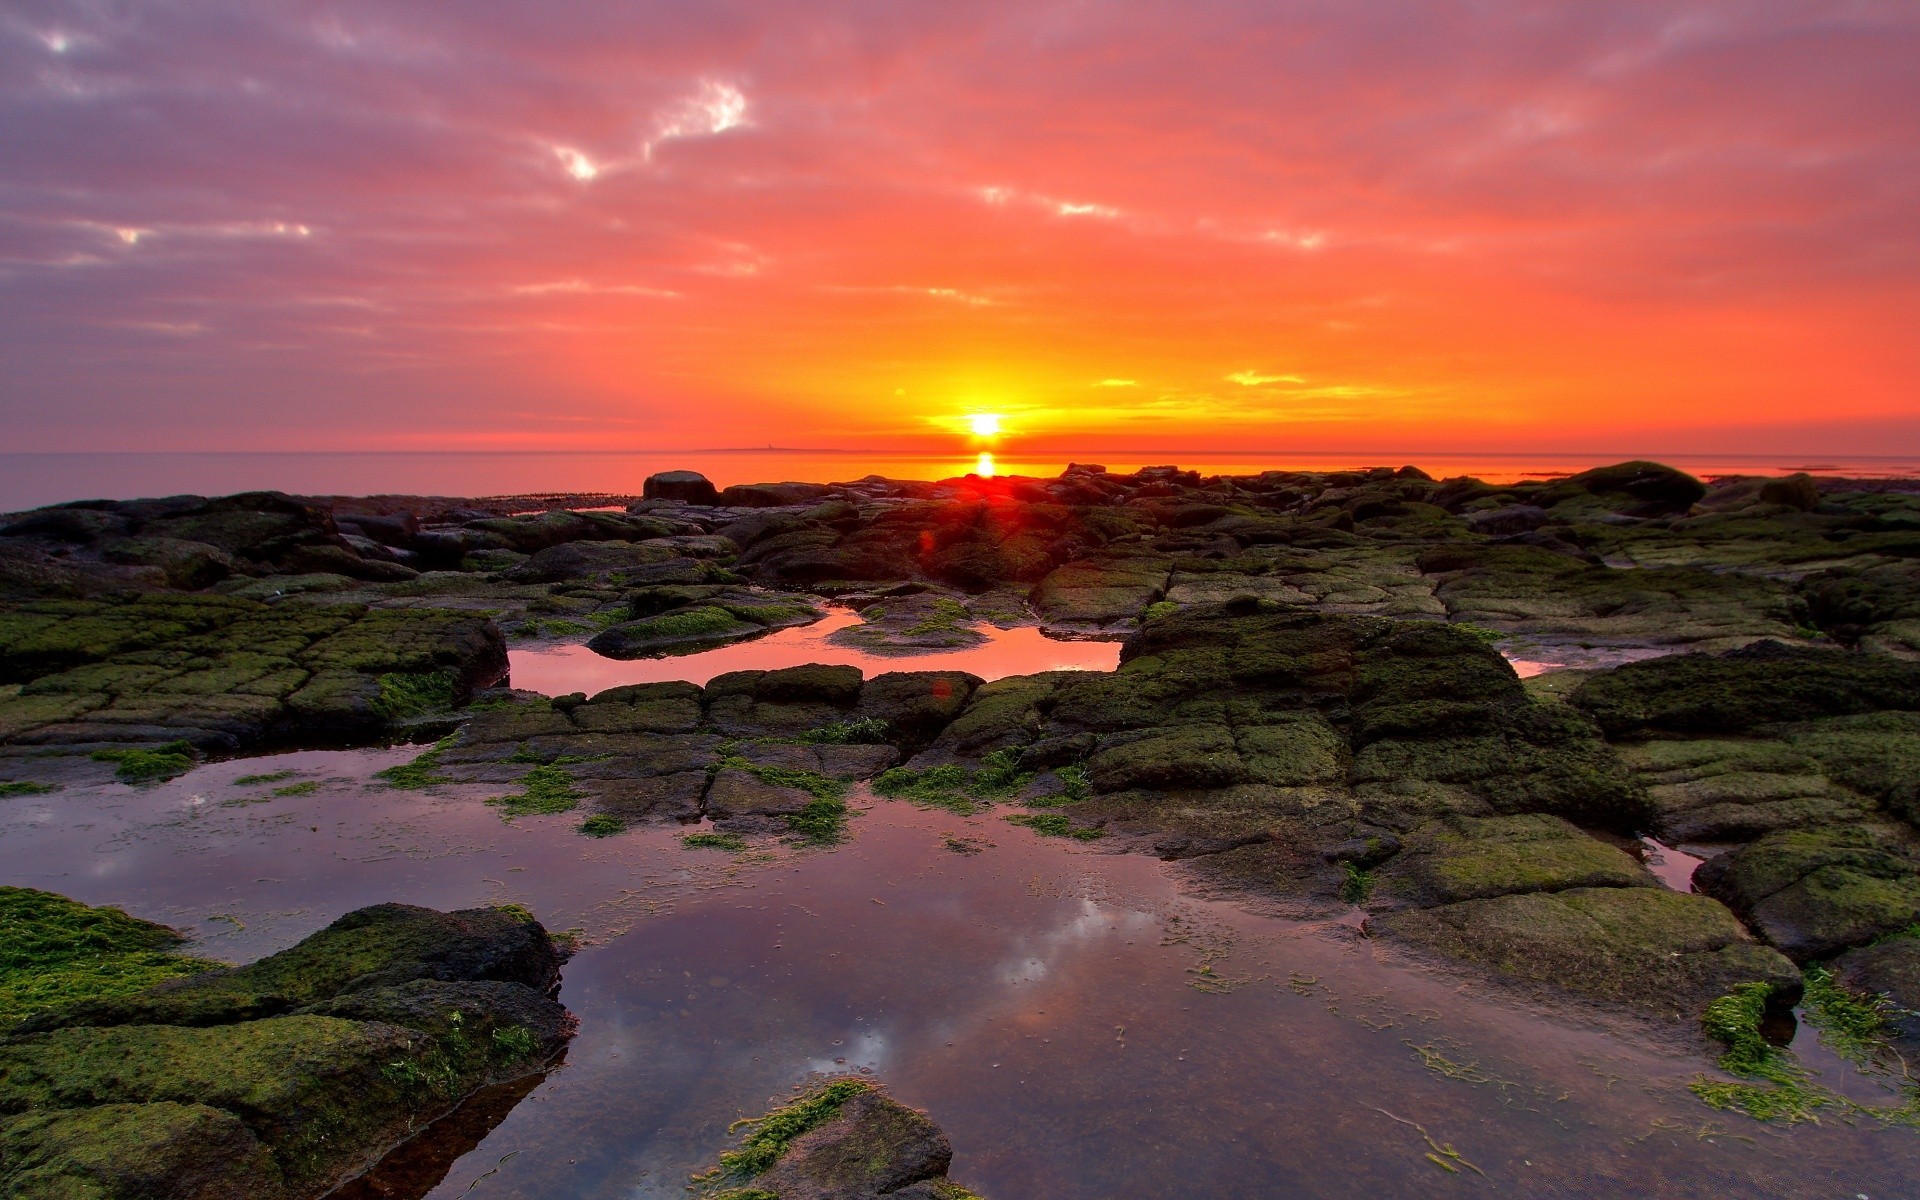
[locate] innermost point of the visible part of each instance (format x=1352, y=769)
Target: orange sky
x=1661, y=227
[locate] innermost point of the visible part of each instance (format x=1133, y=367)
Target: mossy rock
x=384, y=945
x=280, y=1078
x=1470, y=858
x=845, y=1139
x=1813, y=893
x=55, y=951
x=1889, y=969
x=1742, y=689
x=677, y=631
x=1667, y=953
x=182, y=1151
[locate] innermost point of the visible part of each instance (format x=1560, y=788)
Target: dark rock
x=1733, y=692
x=1655, y=489
x=1890, y=969
x=773, y=495
x=689, y=486
x=1814, y=893
x=1518, y=518
x=579, y=560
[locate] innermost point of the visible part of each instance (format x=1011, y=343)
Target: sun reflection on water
x=983, y=466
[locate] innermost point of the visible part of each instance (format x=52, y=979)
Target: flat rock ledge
x=278, y=1080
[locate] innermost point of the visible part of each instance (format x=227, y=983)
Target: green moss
x=1852, y=1025
x=307, y=788
x=945, y=616
x=686, y=623
x=865, y=731
x=1488, y=636
x=602, y=825
x=536, y=627
x=149, y=765
x=55, y=951
x=543, y=790
x=714, y=841
x=1053, y=824
x=773, y=1133
x=410, y=694
x=24, y=787
x=938, y=787
x=953, y=787
x=1161, y=608
x=514, y=1042
x=262, y=780
x=823, y=821
x=420, y=773
x=1355, y=884
x=1775, y=1087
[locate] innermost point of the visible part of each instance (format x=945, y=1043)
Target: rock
x=1474, y=858
x=1813, y=893
x=1638, y=488
x=183, y=1151
x=689, y=486
x=227, y=672
x=1518, y=518
x=1797, y=491
x=844, y=1139
x=773, y=495
x=579, y=560
x=282, y=1078
x=1735, y=691
x=1666, y=953
x=1890, y=968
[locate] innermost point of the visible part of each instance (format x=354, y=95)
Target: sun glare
x=983, y=466
x=984, y=425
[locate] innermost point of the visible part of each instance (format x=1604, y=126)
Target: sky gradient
x=475, y=225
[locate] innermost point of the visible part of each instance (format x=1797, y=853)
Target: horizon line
x=930, y=454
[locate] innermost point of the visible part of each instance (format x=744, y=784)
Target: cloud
x=1118, y=383
x=715, y=108
x=1507, y=223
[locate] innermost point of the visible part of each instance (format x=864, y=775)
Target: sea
x=33, y=479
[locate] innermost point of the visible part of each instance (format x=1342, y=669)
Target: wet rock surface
x=1310, y=705
x=276, y=1079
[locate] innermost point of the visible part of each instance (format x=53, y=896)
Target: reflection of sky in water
x=557, y=670
x=1034, y=999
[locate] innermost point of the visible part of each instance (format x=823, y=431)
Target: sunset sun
x=984, y=424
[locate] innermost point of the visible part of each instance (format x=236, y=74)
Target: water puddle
x=557, y=670
x=1671, y=867
x=1530, y=660
x=1081, y=1025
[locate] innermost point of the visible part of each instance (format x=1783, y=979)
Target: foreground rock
x=275, y=1080
x=842, y=1140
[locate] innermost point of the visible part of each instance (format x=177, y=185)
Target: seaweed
x=146, y=765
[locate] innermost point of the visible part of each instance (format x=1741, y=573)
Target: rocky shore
x=1315, y=704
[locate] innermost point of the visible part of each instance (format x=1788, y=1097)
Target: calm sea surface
x=29, y=480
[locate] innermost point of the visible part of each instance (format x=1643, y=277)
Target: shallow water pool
x=558, y=670
x=1081, y=1023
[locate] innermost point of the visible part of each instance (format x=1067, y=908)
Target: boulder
x=690, y=487
x=276, y=1080
x=844, y=1139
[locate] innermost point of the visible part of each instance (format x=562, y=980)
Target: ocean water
x=31, y=480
